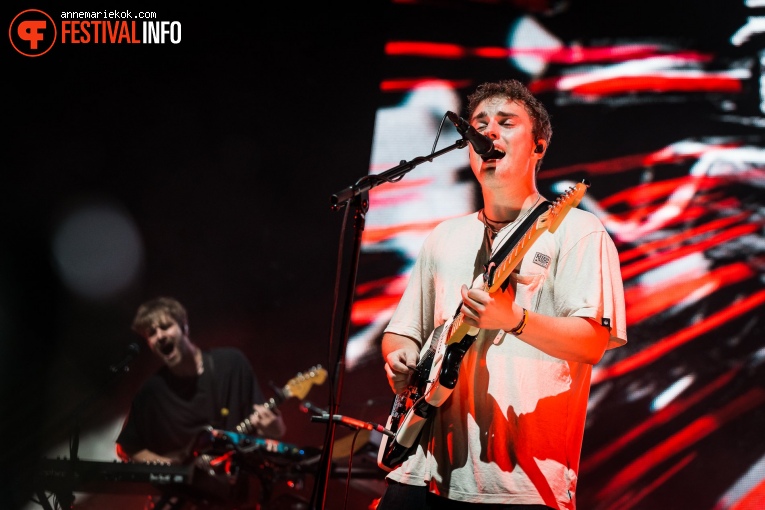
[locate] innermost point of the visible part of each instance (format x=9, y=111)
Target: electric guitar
x=211, y=452
x=297, y=387
x=449, y=342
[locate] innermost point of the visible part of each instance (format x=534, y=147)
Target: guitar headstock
x=565, y=202
x=301, y=384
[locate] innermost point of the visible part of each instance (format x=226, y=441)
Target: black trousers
x=399, y=496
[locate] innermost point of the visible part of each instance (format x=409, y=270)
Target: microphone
x=132, y=351
x=368, y=425
x=307, y=406
x=482, y=144
x=354, y=423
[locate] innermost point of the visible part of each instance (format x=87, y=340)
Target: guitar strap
x=217, y=414
x=513, y=239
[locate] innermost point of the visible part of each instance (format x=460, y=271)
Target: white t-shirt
x=511, y=431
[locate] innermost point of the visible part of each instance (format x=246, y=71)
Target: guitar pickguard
x=450, y=367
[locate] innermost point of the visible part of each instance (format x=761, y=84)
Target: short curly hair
x=151, y=309
x=515, y=91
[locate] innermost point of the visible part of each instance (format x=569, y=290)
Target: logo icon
x=541, y=259
x=32, y=33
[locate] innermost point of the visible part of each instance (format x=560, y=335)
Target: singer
x=192, y=390
x=510, y=434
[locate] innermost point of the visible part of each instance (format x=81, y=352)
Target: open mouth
x=166, y=348
x=493, y=154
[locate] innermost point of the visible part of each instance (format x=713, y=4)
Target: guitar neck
x=512, y=251
x=273, y=402
x=245, y=426
x=502, y=264
x=297, y=387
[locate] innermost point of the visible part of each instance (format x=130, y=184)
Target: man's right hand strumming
x=401, y=355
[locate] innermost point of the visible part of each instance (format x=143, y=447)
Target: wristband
x=517, y=330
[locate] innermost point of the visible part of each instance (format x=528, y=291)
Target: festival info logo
x=32, y=33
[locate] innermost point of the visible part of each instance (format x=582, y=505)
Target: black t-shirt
x=169, y=412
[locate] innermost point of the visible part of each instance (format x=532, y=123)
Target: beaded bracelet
x=517, y=330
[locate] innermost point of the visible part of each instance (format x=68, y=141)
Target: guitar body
x=412, y=408
x=393, y=451
x=435, y=377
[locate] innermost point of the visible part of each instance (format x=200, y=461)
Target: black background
x=225, y=150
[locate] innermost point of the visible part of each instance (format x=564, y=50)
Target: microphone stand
x=357, y=197
x=395, y=174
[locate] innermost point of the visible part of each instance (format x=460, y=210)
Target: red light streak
x=665, y=415
x=637, y=268
x=671, y=241
x=560, y=55
x=666, y=345
x=643, y=303
x=682, y=440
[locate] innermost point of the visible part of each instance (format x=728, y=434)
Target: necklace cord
x=493, y=232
